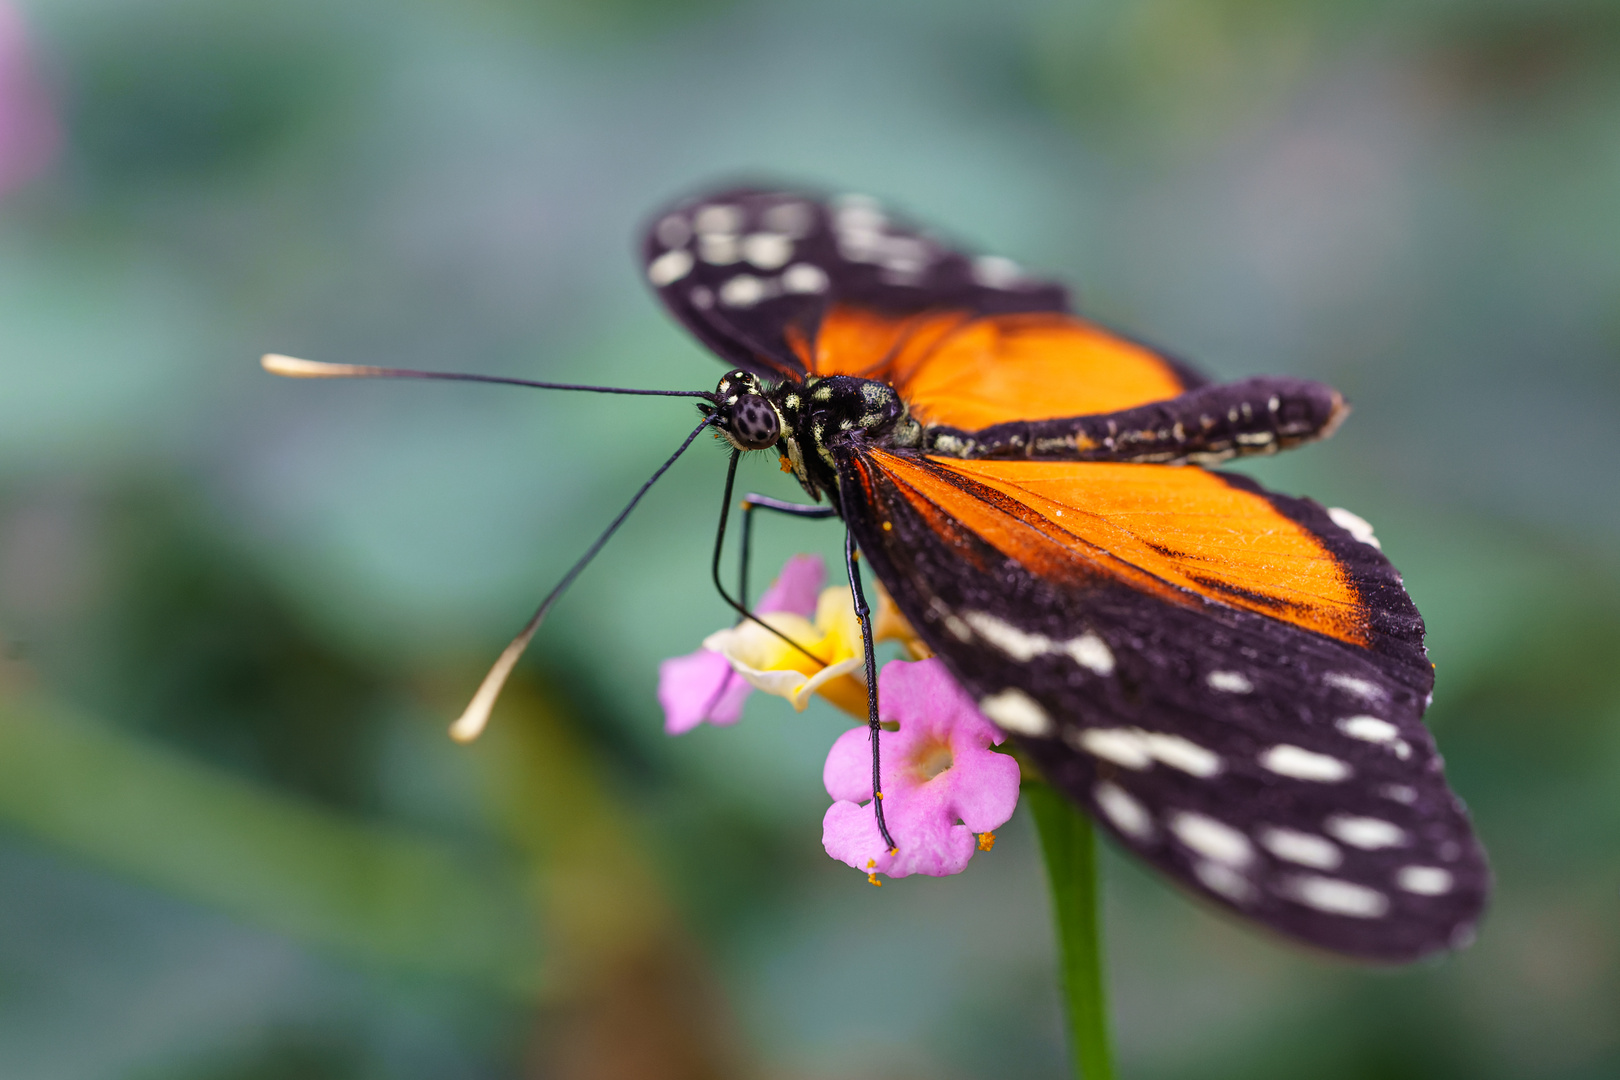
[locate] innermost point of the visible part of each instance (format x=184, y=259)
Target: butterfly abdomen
x=1203, y=426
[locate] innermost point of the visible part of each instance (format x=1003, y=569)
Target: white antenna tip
x=294, y=368
x=470, y=724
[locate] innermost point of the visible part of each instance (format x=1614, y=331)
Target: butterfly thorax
x=806, y=420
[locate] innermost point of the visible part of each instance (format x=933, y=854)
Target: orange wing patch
x=969, y=371
x=1167, y=531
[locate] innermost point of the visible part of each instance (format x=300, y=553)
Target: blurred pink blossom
x=942, y=784
x=29, y=132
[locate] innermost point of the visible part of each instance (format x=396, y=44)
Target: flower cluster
x=945, y=789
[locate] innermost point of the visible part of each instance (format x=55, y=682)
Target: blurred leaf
x=378, y=894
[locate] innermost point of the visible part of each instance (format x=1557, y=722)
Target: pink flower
x=702, y=685
x=942, y=784
x=29, y=133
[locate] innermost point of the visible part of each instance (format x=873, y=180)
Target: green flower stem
x=1070, y=848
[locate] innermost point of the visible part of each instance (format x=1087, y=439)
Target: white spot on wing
x=790, y=218
x=701, y=297
x=1354, y=684
x=1129, y=816
x=1355, y=525
x=669, y=267
x=1301, y=764
x=1424, y=880
x=744, y=290
x=1369, y=729
x=1134, y=748
x=1401, y=793
x=1122, y=746
x=1212, y=839
x=996, y=272
x=719, y=249
x=1017, y=712
x=1016, y=643
x=673, y=231
x=1224, y=880
x=1183, y=754
x=1090, y=651
x=766, y=250
x=1231, y=682
x=1306, y=849
x=718, y=218
x=1366, y=833
x=1372, y=729
x=805, y=278
x=1339, y=897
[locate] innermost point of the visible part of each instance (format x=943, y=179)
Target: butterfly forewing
x=1270, y=760
x=748, y=269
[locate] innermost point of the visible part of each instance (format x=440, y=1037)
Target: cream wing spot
x=996, y=272
x=674, y=231
x=805, y=278
x=1354, y=685
x=1366, y=833
x=1355, y=525
x=1222, y=879
x=669, y=267
x=744, y=290
x=1017, y=712
x=1018, y=644
x=1129, y=816
x=718, y=218
x=1300, y=764
x=1229, y=682
x=1423, y=880
x=718, y=249
x=1306, y=849
x=792, y=219
x=1336, y=897
x=766, y=250
x=1212, y=839
x=1091, y=652
x=1369, y=729
x=1183, y=754
x=1122, y=746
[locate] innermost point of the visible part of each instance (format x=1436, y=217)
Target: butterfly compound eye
x=752, y=422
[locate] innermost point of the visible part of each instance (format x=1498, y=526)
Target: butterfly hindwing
x=1253, y=730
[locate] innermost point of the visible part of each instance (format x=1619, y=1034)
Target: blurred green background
x=236, y=612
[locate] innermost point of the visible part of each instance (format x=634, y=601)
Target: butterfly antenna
x=471, y=722
x=293, y=368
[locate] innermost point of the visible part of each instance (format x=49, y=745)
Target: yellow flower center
x=932, y=758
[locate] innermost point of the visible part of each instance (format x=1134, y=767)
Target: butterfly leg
x=714, y=564
x=750, y=503
x=863, y=614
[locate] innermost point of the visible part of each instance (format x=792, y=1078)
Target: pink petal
x=29, y=131
x=848, y=772
x=932, y=821
x=697, y=687
x=849, y=833
x=796, y=588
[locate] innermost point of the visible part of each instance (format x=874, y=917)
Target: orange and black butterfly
x=1230, y=680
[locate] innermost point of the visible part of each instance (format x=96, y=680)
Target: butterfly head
x=744, y=413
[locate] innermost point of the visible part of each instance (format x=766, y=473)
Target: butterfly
x=1229, y=680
